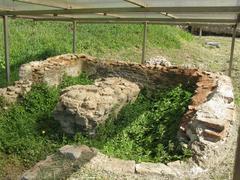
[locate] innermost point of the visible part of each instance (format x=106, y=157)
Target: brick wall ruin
x=207, y=126
x=201, y=122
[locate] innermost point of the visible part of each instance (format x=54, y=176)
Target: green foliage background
x=31, y=40
x=145, y=130
x=27, y=130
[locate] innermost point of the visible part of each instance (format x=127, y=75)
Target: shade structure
x=201, y=12
x=204, y=12
x=155, y=11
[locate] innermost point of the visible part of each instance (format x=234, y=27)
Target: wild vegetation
x=38, y=40
x=28, y=131
x=144, y=130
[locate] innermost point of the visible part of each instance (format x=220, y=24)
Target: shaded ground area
x=145, y=130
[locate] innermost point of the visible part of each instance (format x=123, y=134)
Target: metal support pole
x=192, y=29
x=236, y=175
x=144, y=43
x=200, y=32
x=6, y=48
x=232, y=50
x=74, y=37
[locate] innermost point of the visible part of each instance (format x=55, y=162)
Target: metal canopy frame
x=201, y=9
x=6, y=48
x=170, y=12
x=119, y=10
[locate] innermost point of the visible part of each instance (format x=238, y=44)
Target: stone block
x=75, y=152
x=155, y=168
x=32, y=173
x=103, y=162
x=83, y=107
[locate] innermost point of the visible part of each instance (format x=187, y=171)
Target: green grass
x=83, y=79
x=31, y=41
x=28, y=131
x=145, y=130
x=38, y=40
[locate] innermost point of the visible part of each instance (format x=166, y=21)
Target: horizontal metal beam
x=49, y=18
x=135, y=22
x=231, y=9
x=110, y=15
x=168, y=15
x=157, y=22
x=179, y=20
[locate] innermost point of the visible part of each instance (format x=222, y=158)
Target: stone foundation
x=205, y=127
x=12, y=93
x=51, y=70
x=204, y=121
x=213, y=117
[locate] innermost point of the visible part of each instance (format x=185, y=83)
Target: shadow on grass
x=146, y=128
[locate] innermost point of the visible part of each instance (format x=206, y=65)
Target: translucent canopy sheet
x=162, y=11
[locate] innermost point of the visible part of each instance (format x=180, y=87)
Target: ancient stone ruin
x=206, y=127
x=16, y=91
x=83, y=107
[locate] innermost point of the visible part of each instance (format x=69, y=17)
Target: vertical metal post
x=6, y=48
x=74, y=37
x=232, y=50
x=236, y=175
x=192, y=29
x=144, y=43
x=200, y=32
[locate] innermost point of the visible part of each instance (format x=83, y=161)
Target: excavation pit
x=206, y=124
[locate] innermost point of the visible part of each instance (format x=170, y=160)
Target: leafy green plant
x=28, y=129
x=41, y=99
x=3, y=102
x=83, y=79
x=145, y=130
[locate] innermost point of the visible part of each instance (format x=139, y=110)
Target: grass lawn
x=38, y=40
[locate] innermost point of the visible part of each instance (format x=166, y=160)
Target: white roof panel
x=206, y=15
x=15, y=5
x=212, y=11
x=99, y=4
x=192, y=3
